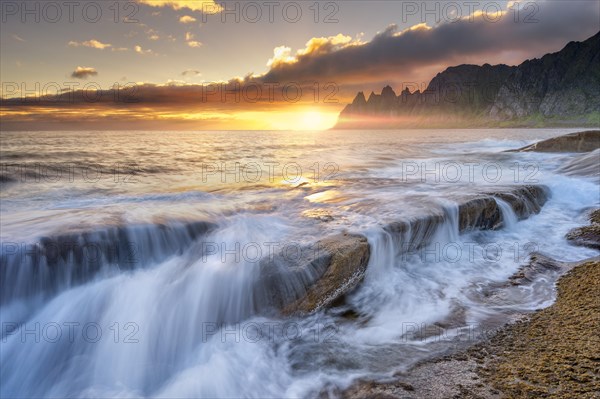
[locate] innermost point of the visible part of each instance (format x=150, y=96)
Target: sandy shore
x=556, y=353
x=552, y=353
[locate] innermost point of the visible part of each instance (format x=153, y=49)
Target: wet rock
x=347, y=257
x=315, y=282
x=586, y=164
x=595, y=216
x=67, y=260
x=538, y=265
x=456, y=318
x=416, y=233
x=587, y=236
x=484, y=212
x=321, y=215
x=575, y=142
x=479, y=213
x=525, y=200
x=5, y=179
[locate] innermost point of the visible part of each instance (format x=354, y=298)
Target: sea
x=133, y=262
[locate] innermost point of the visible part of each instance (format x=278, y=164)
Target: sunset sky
x=198, y=64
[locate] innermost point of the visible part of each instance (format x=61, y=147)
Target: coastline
x=552, y=352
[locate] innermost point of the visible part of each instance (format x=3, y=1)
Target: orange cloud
x=281, y=55
x=206, y=6
x=91, y=43
x=317, y=45
x=189, y=38
x=84, y=72
x=186, y=19
x=140, y=50
x=323, y=45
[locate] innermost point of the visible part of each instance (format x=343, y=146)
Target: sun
x=313, y=120
x=301, y=119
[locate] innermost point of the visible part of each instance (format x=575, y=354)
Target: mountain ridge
x=558, y=89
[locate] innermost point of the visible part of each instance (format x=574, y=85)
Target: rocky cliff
x=559, y=87
x=566, y=83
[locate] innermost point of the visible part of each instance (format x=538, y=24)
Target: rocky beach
x=550, y=353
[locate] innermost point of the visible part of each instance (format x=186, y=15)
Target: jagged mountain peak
x=359, y=99
x=388, y=92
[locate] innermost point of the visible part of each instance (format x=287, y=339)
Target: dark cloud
x=190, y=72
x=233, y=95
x=484, y=37
x=83, y=72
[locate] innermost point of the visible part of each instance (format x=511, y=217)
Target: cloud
x=405, y=54
x=186, y=19
x=189, y=38
x=206, y=6
x=90, y=43
x=281, y=55
x=140, y=50
x=226, y=95
x=191, y=72
x=317, y=45
x=18, y=38
x=83, y=72
x=152, y=34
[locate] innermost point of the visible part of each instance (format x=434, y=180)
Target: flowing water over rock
x=159, y=268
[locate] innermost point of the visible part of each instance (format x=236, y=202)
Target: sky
x=207, y=65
